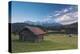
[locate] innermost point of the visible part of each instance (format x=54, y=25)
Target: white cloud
x=57, y=14
x=70, y=8
x=65, y=10
x=67, y=15
x=64, y=16
x=68, y=18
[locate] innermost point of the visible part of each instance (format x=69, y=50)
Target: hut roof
x=36, y=30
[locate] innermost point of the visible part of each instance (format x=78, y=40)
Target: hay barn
x=33, y=34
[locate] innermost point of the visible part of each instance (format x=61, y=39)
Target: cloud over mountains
x=65, y=16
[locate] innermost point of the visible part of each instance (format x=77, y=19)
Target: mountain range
x=16, y=27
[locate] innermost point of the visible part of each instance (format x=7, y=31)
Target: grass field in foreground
x=51, y=42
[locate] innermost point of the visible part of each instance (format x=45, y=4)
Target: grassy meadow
x=51, y=42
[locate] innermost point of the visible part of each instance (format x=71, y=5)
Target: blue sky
x=26, y=11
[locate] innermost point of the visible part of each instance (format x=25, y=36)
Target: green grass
x=51, y=42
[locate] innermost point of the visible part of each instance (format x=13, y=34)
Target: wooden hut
x=33, y=34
